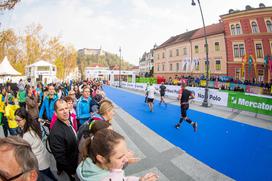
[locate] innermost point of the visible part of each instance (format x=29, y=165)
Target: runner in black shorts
x=184, y=96
x=162, y=93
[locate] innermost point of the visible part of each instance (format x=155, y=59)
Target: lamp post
x=205, y=101
x=120, y=67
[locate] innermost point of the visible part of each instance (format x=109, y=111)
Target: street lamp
x=120, y=67
x=205, y=102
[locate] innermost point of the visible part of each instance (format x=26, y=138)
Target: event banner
x=250, y=103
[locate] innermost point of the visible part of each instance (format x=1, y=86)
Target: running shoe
x=195, y=126
x=177, y=126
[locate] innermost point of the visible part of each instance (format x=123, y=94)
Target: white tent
x=6, y=69
x=41, y=63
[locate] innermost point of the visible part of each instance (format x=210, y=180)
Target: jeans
x=5, y=125
x=48, y=173
x=13, y=131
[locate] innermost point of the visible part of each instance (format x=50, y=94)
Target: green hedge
x=146, y=80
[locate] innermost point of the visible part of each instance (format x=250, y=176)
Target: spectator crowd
x=70, y=120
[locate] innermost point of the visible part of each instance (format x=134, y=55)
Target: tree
x=7, y=4
x=60, y=68
x=33, y=46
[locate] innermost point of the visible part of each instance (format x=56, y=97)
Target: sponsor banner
x=255, y=104
x=254, y=89
x=214, y=96
x=140, y=86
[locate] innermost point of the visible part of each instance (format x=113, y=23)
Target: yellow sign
x=203, y=83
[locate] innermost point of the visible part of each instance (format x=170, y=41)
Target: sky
x=133, y=25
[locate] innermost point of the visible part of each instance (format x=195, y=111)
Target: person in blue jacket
x=48, y=104
x=83, y=110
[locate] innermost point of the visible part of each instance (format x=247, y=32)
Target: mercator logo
x=234, y=100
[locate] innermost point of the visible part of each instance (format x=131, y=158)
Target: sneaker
x=177, y=126
x=195, y=126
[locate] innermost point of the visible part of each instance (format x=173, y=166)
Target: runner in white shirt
x=150, y=97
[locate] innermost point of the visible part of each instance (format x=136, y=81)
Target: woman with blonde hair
x=106, y=110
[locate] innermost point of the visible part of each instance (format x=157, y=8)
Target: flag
x=250, y=60
x=244, y=60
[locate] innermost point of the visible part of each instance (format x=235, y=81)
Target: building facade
x=248, y=35
x=146, y=63
x=89, y=51
x=216, y=51
x=185, y=54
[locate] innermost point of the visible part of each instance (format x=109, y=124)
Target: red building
x=248, y=35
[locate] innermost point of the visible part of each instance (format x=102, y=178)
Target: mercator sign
x=250, y=103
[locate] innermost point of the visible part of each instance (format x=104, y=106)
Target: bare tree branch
x=7, y=4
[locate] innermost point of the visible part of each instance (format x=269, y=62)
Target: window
x=269, y=25
x=170, y=53
x=216, y=45
x=259, y=50
x=196, y=49
x=158, y=68
x=260, y=75
x=233, y=30
x=162, y=67
x=43, y=68
x=238, y=50
x=184, y=51
x=242, y=50
x=206, y=47
x=238, y=29
x=271, y=47
x=254, y=27
x=206, y=62
x=177, y=52
x=170, y=67
x=197, y=65
x=158, y=56
x=163, y=55
x=218, y=65
x=238, y=73
x=177, y=66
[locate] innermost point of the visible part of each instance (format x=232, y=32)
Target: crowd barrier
x=236, y=100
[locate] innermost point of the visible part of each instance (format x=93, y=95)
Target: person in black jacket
x=63, y=141
x=184, y=96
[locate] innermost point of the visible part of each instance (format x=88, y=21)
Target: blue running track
x=237, y=150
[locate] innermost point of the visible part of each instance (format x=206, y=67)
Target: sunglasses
x=18, y=119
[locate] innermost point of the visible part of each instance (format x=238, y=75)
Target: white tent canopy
x=6, y=69
x=40, y=64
